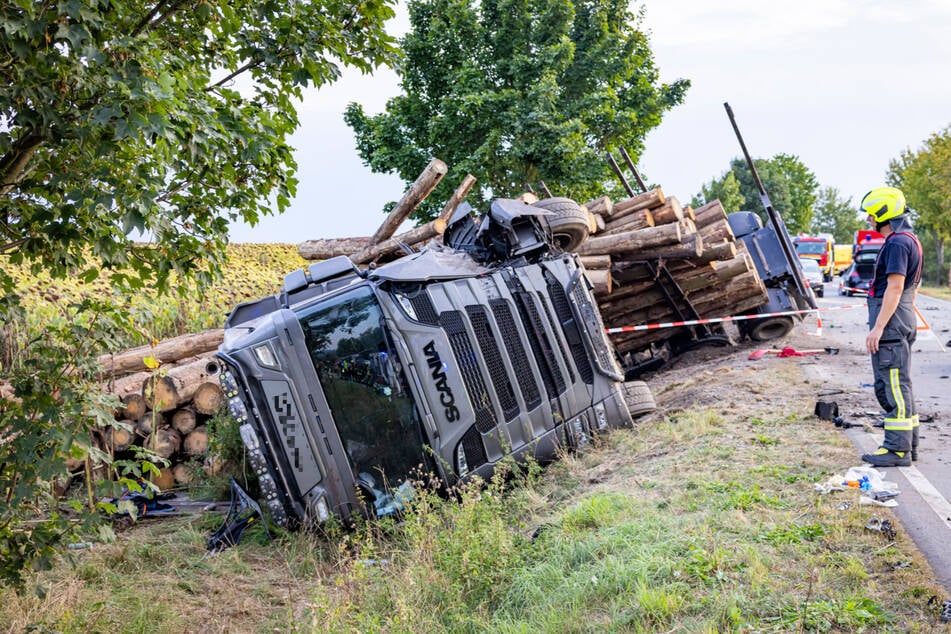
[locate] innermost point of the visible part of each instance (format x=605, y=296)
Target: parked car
x=858, y=277
x=813, y=275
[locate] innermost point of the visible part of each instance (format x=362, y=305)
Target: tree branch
x=13, y=165
x=150, y=21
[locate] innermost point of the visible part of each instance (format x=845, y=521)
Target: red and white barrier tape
x=715, y=320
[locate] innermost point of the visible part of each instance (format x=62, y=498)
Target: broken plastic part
x=243, y=512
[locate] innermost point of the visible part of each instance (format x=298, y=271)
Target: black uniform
x=891, y=365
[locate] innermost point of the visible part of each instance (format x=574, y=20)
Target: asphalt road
x=923, y=505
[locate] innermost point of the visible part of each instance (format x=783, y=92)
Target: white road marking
x=928, y=493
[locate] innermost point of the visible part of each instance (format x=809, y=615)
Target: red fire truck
x=818, y=248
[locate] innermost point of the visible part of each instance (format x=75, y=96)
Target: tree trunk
x=133, y=406
x=182, y=473
x=118, y=439
x=600, y=280
x=327, y=248
x=640, y=219
x=647, y=200
x=167, y=442
x=209, y=398
x=164, y=352
x=196, y=443
x=424, y=184
x=184, y=420
x=595, y=262
x=600, y=206
x=631, y=241
x=144, y=425
x=670, y=211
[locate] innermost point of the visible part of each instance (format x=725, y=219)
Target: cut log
x=717, y=232
x=631, y=241
x=424, y=184
x=639, y=219
x=182, y=473
x=594, y=262
x=165, y=479
x=133, y=407
x=196, y=443
x=327, y=248
x=670, y=211
x=708, y=214
x=166, y=442
x=209, y=398
x=176, y=387
x=600, y=206
x=184, y=420
x=118, y=438
x=132, y=383
x=647, y=200
x=722, y=251
x=150, y=419
x=165, y=352
x=600, y=281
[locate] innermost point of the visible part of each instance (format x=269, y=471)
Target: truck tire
x=770, y=328
x=567, y=220
x=639, y=398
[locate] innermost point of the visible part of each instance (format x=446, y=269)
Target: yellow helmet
x=884, y=203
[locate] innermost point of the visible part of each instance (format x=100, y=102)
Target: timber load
x=164, y=409
x=654, y=260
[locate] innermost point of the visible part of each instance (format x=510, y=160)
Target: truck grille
x=423, y=305
x=555, y=328
x=508, y=330
x=493, y=359
x=452, y=323
x=559, y=299
x=473, y=448
x=541, y=347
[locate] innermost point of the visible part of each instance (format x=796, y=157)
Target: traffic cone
x=818, y=332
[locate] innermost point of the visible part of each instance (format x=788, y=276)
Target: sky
x=846, y=85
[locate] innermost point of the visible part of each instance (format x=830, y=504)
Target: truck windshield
x=812, y=248
x=366, y=390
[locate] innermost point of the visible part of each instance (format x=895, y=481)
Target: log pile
x=165, y=409
x=646, y=237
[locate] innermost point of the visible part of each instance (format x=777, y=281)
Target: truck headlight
x=601, y=415
x=265, y=357
x=323, y=513
x=461, y=465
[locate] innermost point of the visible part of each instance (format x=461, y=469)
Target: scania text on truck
x=348, y=384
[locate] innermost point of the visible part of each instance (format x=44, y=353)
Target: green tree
x=131, y=134
x=924, y=176
x=517, y=91
x=726, y=189
x=836, y=215
x=791, y=186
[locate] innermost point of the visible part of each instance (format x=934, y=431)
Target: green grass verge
x=704, y=523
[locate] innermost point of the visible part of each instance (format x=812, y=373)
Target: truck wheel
x=639, y=398
x=568, y=222
x=773, y=328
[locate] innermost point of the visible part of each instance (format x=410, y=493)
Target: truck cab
x=348, y=386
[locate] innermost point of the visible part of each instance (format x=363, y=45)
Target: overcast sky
x=844, y=84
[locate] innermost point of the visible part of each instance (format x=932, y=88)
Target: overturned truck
x=349, y=383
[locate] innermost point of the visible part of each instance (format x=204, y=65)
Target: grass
x=938, y=292
x=702, y=522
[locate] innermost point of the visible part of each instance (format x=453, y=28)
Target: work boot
x=882, y=457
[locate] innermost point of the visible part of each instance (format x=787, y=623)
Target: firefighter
x=893, y=325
